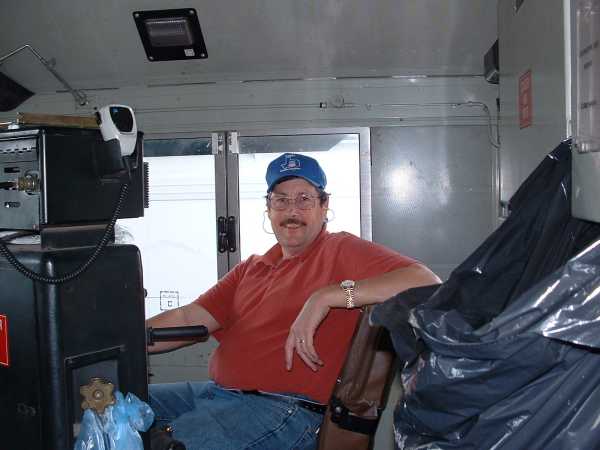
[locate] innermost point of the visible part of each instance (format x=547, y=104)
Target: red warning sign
x=3, y=341
x=525, y=100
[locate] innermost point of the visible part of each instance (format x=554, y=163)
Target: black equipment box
x=55, y=176
x=55, y=338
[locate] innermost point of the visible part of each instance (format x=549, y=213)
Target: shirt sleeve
x=364, y=259
x=218, y=300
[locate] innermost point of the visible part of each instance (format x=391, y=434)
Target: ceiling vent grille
x=171, y=34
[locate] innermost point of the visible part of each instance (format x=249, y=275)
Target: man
x=284, y=322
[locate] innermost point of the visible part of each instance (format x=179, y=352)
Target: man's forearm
x=368, y=291
x=188, y=315
x=170, y=318
x=379, y=289
x=382, y=287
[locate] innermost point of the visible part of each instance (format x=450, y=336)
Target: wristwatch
x=348, y=287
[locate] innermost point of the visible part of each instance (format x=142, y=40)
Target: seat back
x=361, y=390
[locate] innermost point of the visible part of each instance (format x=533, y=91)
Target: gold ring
x=300, y=341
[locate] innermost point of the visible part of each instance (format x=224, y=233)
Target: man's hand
x=302, y=331
x=376, y=289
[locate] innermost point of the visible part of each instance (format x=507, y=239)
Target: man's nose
x=293, y=207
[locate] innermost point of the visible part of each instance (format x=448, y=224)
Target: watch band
x=348, y=286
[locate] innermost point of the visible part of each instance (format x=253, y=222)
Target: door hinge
x=232, y=142
x=217, y=143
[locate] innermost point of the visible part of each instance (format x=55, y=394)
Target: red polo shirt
x=259, y=299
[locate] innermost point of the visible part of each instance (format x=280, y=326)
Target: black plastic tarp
x=506, y=353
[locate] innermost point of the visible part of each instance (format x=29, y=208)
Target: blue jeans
x=205, y=416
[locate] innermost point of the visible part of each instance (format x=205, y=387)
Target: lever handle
x=191, y=333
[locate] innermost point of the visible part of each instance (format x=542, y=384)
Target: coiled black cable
x=4, y=251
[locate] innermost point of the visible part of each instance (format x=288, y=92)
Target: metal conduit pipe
x=324, y=105
x=79, y=96
x=493, y=142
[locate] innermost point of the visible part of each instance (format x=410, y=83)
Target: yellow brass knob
x=97, y=395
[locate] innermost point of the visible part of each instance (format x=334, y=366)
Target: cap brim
x=287, y=177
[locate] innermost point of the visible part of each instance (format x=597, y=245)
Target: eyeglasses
x=282, y=202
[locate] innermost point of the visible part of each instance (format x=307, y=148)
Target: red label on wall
x=3, y=341
x=525, y=100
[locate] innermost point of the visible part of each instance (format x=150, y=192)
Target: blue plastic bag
x=118, y=427
x=91, y=436
x=123, y=421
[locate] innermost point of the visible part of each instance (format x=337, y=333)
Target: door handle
x=226, y=234
x=222, y=234
x=231, y=238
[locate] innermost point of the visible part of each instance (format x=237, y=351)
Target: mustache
x=291, y=221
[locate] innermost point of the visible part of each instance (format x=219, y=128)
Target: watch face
x=347, y=284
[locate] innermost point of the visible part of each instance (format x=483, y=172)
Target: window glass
x=176, y=236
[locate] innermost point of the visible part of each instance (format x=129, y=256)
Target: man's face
x=295, y=228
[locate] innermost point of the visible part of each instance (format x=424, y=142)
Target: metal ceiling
x=95, y=44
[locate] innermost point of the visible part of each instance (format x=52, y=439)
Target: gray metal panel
x=96, y=44
x=185, y=364
x=586, y=186
x=585, y=56
x=531, y=39
x=19, y=154
x=366, y=219
x=432, y=191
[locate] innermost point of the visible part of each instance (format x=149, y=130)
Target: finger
x=311, y=351
x=289, y=351
x=304, y=356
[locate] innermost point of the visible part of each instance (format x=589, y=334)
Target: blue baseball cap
x=295, y=165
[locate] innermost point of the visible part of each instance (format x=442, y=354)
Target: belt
x=306, y=404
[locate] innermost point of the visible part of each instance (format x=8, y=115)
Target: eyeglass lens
x=302, y=201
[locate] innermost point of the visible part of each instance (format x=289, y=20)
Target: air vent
x=17, y=147
x=171, y=34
